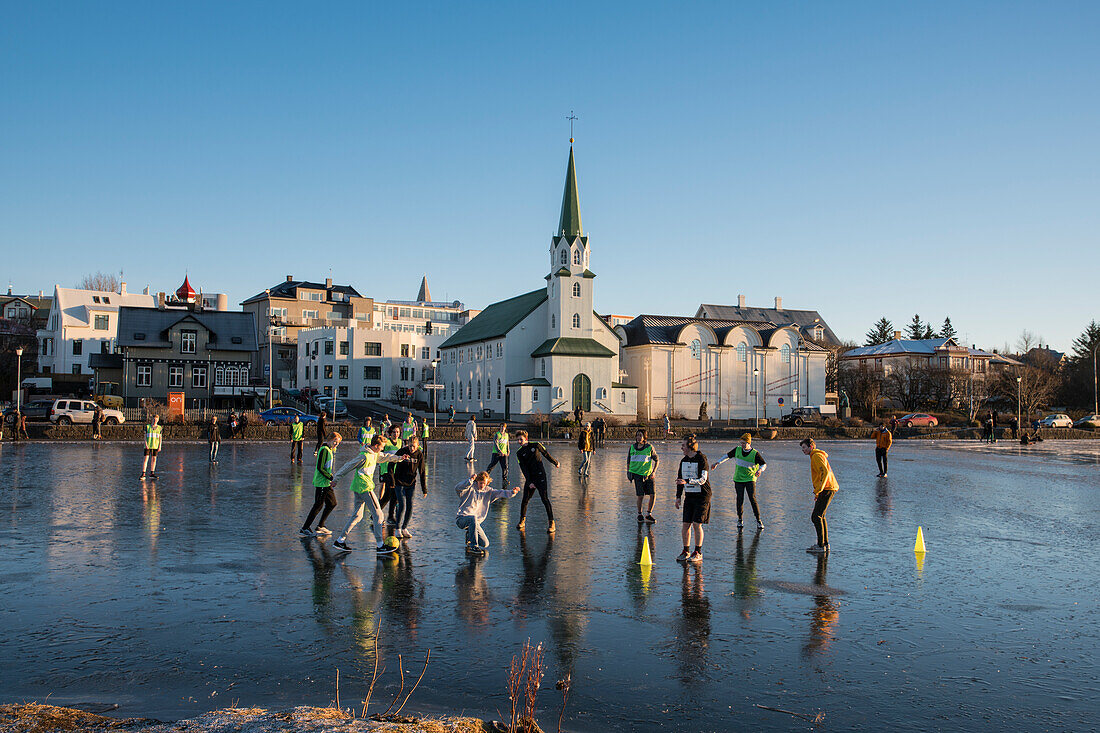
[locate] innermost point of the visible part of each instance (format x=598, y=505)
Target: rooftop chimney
x=290, y=278
x=122, y=288
x=40, y=294
x=328, y=282
x=897, y=335
x=160, y=301
x=9, y=288
x=740, y=301
x=778, y=303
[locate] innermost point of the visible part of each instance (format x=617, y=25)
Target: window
x=425, y=352
x=372, y=348
x=498, y=389
x=542, y=367
x=405, y=375
x=306, y=295
x=76, y=369
x=742, y=351
x=343, y=348
x=106, y=300
x=553, y=321
x=175, y=376
x=576, y=320
x=95, y=298
x=315, y=371
x=405, y=350
x=785, y=354
x=470, y=390
x=565, y=256
x=459, y=391
x=479, y=389
x=144, y=376
x=78, y=347
x=276, y=312
x=373, y=373
x=576, y=290
x=344, y=372
x=601, y=393
x=557, y=393
x=500, y=349
x=198, y=377
x=576, y=257
x=328, y=371
x=534, y=395
x=342, y=391
x=479, y=353
x=622, y=396
x=819, y=333
x=372, y=391
x=187, y=342
x=101, y=323
x=328, y=347
x=405, y=312
x=696, y=349
x=309, y=314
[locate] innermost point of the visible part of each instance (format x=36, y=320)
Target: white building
x=741, y=369
x=422, y=315
x=545, y=351
x=366, y=363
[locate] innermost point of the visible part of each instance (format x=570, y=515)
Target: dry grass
x=35, y=718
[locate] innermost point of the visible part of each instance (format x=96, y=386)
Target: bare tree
x=1026, y=342
x=1035, y=388
x=863, y=385
x=106, y=282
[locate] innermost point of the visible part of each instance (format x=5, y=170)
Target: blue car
x=283, y=415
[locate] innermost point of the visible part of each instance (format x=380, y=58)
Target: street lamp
x=1019, y=395
x=756, y=391
x=270, y=363
x=435, y=392
x=18, y=381
x=1095, y=402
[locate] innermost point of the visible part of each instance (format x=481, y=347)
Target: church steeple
x=570, y=223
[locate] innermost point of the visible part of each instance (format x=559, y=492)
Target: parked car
x=69, y=411
x=283, y=415
x=34, y=410
x=1088, y=421
x=1056, y=420
x=918, y=419
x=334, y=407
x=800, y=416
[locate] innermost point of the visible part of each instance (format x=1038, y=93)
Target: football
x=392, y=541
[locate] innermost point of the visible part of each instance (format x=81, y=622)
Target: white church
x=544, y=352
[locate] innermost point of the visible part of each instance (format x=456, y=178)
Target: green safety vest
x=501, y=443
x=152, y=436
x=746, y=464
x=425, y=430
x=365, y=435
x=364, y=475
x=408, y=429
x=324, y=460
x=389, y=449
x=640, y=462
x=296, y=430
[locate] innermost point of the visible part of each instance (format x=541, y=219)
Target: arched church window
x=498, y=389
x=576, y=257
x=470, y=391
x=696, y=349
x=576, y=320
x=576, y=290
x=785, y=354
x=479, y=390
x=553, y=321
x=565, y=256
x=557, y=393
x=742, y=351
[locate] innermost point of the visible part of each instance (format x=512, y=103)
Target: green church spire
x=570, y=224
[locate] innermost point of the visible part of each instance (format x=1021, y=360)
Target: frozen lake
x=197, y=593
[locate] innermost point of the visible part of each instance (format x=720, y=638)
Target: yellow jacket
x=821, y=473
x=883, y=439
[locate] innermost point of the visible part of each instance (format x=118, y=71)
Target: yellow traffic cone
x=919, y=546
x=646, y=559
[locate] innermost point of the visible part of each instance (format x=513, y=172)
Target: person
x=577, y=415
x=451, y=414
x=893, y=423
x=475, y=496
x=153, y=434
x=534, y=478
x=992, y=426
x=362, y=491
x=408, y=428
x=883, y=441
x=323, y=495
x=404, y=476
x=388, y=499
x=641, y=464
x=825, y=487
x=21, y=428
x=500, y=453
x=668, y=426
x=386, y=424
x=213, y=437
x=97, y=419
x=366, y=433
x=233, y=423
x=693, y=490
x=749, y=465
x=322, y=431
x=1015, y=425
x=989, y=430
x=601, y=429
x=471, y=437
x=297, y=429
x=584, y=445
x=424, y=437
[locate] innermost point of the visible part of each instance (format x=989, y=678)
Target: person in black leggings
x=534, y=477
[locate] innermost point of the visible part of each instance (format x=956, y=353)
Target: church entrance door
x=582, y=392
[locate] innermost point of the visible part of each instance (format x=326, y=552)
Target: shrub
x=832, y=422
x=854, y=422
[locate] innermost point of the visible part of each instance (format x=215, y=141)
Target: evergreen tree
x=948, y=331
x=1078, y=388
x=928, y=332
x=880, y=333
x=915, y=329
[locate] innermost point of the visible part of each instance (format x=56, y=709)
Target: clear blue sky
x=863, y=159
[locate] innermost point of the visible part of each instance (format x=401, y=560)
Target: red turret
x=186, y=293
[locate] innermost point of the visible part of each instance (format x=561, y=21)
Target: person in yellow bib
x=424, y=437
x=388, y=497
x=324, y=499
x=500, y=453
x=362, y=490
x=408, y=428
x=749, y=466
x=153, y=434
x=641, y=464
x=366, y=433
x=825, y=487
x=297, y=437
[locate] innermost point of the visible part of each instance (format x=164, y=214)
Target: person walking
x=1015, y=425
x=366, y=433
x=451, y=414
x=408, y=428
x=475, y=495
x=749, y=465
x=530, y=456
x=668, y=426
x=471, y=437
x=297, y=430
x=825, y=487
x=641, y=464
x=405, y=474
x=601, y=430
x=153, y=434
x=585, y=442
x=324, y=499
x=500, y=453
x=578, y=415
x=322, y=431
x=992, y=426
x=21, y=428
x=362, y=492
x=388, y=499
x=97, y=420
x=693, y=490
x=883, y=440
x=424, y=437
x=213, y=437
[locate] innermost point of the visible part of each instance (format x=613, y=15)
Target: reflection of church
x=545, y=351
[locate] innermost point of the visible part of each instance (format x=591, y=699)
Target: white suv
x=68, y=411
x=1056, y=420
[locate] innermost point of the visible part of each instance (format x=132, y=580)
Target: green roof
x=572, y=347
x=497, y=319
x=533, y=382
x=620, y=385
x=562, y=272
x=588, y=273
x=570, y=223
